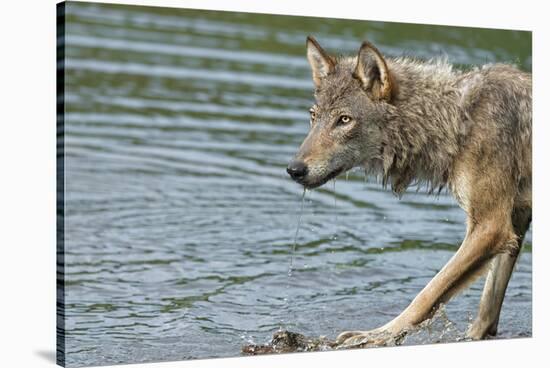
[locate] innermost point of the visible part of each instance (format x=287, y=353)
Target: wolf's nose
x=296, y=169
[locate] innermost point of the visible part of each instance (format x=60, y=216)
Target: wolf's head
x=352, y=97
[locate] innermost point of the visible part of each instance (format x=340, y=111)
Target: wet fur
x=425, y=122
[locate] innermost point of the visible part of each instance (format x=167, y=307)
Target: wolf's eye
x=312, y=115
x=344, y=119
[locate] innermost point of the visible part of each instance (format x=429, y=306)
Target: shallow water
x=180, y=217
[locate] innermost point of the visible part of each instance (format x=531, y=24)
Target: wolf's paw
x=360, y=339
x=349, y=334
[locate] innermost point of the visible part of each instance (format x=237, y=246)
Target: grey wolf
x=413, y=121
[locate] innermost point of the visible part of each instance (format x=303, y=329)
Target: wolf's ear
x=373, y=72
x=322, y=64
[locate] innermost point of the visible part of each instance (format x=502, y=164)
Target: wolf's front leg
x=483, y=241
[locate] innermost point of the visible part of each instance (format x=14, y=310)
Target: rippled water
x=180, y=218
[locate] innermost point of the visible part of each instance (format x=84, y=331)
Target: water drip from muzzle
x=291, y=262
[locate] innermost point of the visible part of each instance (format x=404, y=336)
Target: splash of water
x=439, y=328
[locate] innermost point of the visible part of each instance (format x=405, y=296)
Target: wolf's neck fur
x=425, y=128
